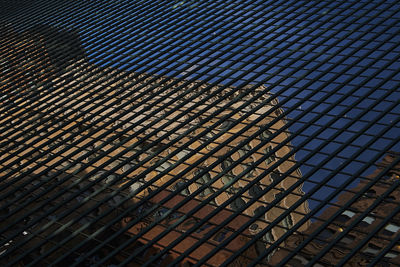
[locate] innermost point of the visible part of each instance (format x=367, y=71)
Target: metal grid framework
x=205, y=133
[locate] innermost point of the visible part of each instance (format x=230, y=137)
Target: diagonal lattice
x=206, y=133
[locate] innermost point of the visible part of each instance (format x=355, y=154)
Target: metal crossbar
x=199, y=133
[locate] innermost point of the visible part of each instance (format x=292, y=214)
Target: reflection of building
x=204, y=248
x=362, y=229
x=35, y=57
x=24, y=64
x=108, y=106
x=35, y=222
